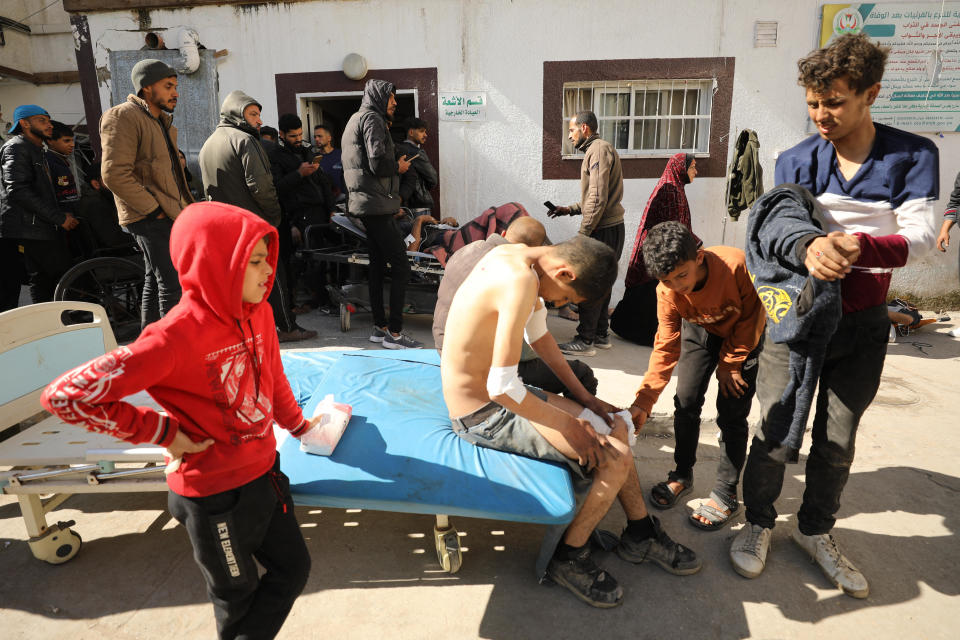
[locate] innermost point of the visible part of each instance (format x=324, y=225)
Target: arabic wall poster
x=921, y=84
x=463, y=105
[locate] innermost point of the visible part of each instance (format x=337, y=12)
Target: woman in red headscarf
x=635, y=317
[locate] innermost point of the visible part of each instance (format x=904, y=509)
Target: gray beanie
x=146, y=72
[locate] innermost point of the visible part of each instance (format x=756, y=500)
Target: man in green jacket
x=236, y=170
x=601, y=190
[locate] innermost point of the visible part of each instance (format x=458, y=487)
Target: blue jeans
x=848, y=382
x=161, y=292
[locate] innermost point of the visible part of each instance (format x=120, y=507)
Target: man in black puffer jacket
x=29, y=215
x=372, y=174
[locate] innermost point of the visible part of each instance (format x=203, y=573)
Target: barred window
x=644, y=118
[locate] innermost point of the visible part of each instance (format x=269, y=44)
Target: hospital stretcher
x=398, y=453
x=352, y=253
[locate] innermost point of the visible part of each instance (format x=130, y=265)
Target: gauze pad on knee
x=603, y=428
x=505, y=381
x=536, y=326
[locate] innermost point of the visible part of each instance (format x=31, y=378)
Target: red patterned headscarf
x=667, y=202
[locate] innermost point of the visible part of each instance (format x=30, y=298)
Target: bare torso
x=504, y=274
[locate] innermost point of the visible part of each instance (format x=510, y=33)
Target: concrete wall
x=499, y=46
x=49, y=47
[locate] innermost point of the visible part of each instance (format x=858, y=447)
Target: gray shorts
x=495, y=427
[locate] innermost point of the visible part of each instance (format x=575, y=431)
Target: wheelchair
x=108, y=271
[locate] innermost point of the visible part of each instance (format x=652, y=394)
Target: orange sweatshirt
x=727, y=306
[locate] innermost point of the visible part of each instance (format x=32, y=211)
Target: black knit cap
x=148, y=71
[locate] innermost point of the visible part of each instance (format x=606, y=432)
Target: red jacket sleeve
x=91, y=394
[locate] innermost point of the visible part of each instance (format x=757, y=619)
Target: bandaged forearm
x=536, y=326
x=603, y=428
x=505, y=381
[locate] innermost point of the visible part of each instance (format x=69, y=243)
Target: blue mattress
x=399, y=452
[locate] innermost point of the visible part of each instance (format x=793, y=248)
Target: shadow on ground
x=898, y=524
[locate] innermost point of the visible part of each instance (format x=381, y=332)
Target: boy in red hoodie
x=213, y=363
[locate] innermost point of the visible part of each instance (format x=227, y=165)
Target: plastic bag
x=322, y=438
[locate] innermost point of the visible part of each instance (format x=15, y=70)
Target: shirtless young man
x=501, y=300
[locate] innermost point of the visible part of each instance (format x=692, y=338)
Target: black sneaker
x=602, y=342
x=586, y=580
x=577, y=347
x=671, y=556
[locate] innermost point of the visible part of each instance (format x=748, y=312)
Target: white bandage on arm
x=536, y=326
x=505, y=381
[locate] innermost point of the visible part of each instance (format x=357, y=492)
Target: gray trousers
x=848, y=382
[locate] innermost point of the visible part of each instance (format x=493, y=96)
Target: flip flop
x=718, y=519
x=661, y=491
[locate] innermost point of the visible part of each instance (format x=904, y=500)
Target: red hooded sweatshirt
x=213, y=362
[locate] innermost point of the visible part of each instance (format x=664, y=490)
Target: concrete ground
x=375, y=574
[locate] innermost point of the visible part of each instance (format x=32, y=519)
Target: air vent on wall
x=765, y=33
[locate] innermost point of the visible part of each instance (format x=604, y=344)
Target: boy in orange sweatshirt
x=213, y=363
x=710, y=318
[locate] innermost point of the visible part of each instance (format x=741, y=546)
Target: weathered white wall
x=48, y=48
x=64, y=102
x=499, y=46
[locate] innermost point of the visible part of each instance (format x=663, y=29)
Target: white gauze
x=505, y=381
x=603, y=428
x=536, y=326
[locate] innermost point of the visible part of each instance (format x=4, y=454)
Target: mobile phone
x=317, y=158
x=549, y=205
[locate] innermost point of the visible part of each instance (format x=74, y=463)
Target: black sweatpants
x=46, y=261
x=386, y=246
x=281, y=298
x=228, y=531
x=12, y=274
x=536, y=373
x=699, y=355
x=594, y=321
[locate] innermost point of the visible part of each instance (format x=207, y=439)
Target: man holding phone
x=601, y=190
x=416, y=183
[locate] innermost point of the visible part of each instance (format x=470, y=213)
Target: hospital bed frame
x=421, y=293
x=51, y=460
x=46, y=463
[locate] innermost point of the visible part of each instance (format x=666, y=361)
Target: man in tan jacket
x=142, y=168
x=601, y=190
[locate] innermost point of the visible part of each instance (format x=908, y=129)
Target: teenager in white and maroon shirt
x=213, y=363
x=878, y=186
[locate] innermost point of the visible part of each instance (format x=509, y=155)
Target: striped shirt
x=888, y=204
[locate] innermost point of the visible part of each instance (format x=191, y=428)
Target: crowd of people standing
x=801, y=307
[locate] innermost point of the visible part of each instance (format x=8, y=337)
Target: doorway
x=334, y=109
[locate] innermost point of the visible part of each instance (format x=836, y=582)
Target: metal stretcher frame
x=424, y=265
x=38, y=343
x=51, y=460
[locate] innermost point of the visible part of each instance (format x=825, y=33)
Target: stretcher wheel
x=58, y=545
x=344, y=317
x=448, y=549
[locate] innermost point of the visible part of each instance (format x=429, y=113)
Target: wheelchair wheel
x=116, y=284
x=344, y=317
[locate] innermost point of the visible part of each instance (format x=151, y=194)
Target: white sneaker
x=748, y=553
x=823, y=550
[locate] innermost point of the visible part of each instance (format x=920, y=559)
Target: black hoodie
x=369, y=164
